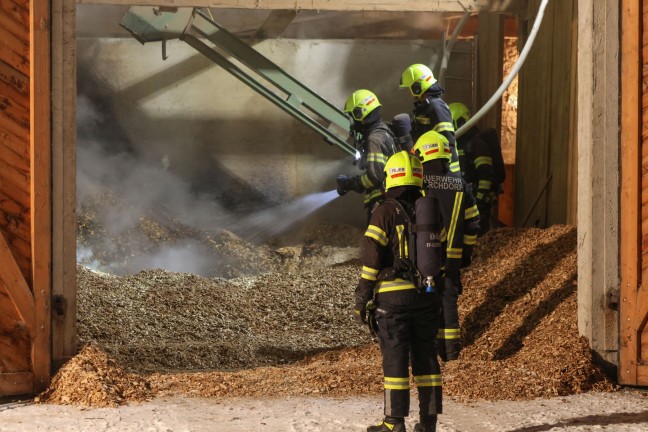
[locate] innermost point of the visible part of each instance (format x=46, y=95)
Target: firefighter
x=460, y=218
x=476, y=158
x=406, y=316
x=430, y=110
x=376, y=145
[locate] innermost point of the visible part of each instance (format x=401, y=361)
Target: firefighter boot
x=426, y=425
x=389, y=424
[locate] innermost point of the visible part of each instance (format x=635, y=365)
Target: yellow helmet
x=459, y=111
x=403, y=169
x=418, y=79
x=432, y=145
x=360, y=104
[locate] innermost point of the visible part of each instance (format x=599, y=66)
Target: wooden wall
x=15, y=238
x=643, y=62
x=633, y=356
x=25, y=234
x=546, y=121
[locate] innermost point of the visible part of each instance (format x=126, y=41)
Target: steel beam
x=149, y=24
x=515, y=7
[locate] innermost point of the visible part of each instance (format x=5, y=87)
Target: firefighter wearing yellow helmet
x=406, y=318
x=430, y=111
x=377, y=143
x=481, y=163
x=460, y=227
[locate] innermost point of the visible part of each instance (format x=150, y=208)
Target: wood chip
x=289, y=331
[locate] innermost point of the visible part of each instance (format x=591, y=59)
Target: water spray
x=276, y=220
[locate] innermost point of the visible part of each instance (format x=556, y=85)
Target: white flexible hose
x=511, y=76
x=448, y=47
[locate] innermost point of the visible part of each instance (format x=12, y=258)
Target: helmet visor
x=357, y=113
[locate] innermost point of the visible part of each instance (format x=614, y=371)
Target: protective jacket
x=432, y=113
x=407, y=318
x=378, y=144
x=461, y=225
x=476, y=161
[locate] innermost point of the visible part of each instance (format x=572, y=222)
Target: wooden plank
x=15, y=27
x=14, y=169
x=17, y=11
x=490, y=66
x=64, y=178
x=13, y=51
x=22, y=254
x=13, y=143
x=21, y=250
x=11, y=93
x=15, y=184
x=16, y=383
x=15, y=285
x=642, y=373
x=14, y=78
x=534, y=105
x=572, y=162
x=15, y=112
x=15, y=342
x=12, y=158
x=8, y=223
x=560, y=110
x=15, y=229
x=41, y=172
x=641, y=312
x=14, y=352
x=13, y=209
x=12, y=126
x=630, y=180
x=516, y=7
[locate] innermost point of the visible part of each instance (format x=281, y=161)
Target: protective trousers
x=484, y=217
x=449, y=333
x=408, y=332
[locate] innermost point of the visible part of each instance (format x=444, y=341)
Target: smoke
x=188, y=256
x=135, y=213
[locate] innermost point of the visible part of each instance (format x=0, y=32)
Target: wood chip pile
x=93, y=379
x=290, y=333
x=520, y=320
x=157, y=320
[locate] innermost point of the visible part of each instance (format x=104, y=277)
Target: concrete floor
x=623, y=411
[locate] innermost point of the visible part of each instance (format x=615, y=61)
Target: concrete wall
x=598, y=175
x=217, y=134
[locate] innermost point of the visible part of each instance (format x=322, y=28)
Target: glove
x=483, y=198
x=362, y=304
x=344, y=184
x=360, y=313
x=371, y=318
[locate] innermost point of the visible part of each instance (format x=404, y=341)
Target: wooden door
x=25, y=207
x=633, y=342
